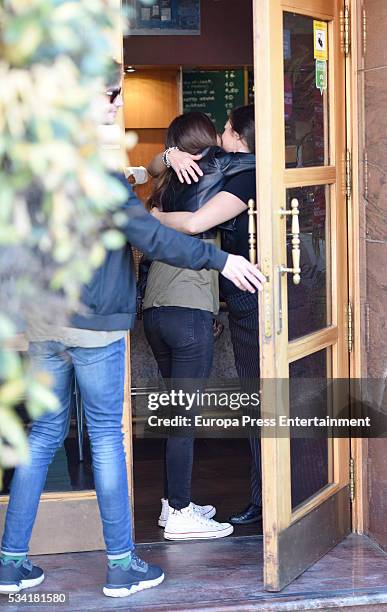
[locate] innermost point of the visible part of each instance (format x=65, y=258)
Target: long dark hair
x=242, y=120
x=191, y=132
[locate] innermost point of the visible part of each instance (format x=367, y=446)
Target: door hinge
x=365, y=178
x=364, y=24
x=349, y=327
x=352, y=479
x=347, y=29
x=367, y=328
x=348, y=174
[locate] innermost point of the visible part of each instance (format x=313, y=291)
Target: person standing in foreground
x=94, y=349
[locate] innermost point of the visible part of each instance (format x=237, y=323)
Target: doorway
x=301, y=154
x=214, y=80
x=299, y=94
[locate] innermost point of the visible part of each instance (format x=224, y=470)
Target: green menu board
x=214, y=92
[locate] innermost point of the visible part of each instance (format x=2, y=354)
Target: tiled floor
x=220, y=576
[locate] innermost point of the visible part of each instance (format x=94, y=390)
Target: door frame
x=358, y=446
x=356, y=256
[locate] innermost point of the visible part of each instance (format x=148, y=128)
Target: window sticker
x=320, y=30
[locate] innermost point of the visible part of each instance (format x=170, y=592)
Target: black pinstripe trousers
x=243, y=323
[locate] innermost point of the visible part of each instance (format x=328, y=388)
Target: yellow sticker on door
x=320, y=31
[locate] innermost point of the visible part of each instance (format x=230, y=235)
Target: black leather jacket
x=217, y=166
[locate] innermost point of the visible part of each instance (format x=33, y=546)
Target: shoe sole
x=135, y=588
x=209, y=515
x=199, y=535
x=6, y=589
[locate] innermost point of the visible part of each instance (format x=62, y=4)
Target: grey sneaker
x=139, y=576
x=18, y=575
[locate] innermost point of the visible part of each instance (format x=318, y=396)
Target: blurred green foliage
x=56, y=189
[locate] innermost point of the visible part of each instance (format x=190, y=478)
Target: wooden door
x=302, y=247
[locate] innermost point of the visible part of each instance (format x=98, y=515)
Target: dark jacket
x=110, y=297
x=217, y=166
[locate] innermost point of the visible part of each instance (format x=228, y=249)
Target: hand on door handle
x=296, y=270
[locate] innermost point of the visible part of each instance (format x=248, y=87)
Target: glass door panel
x=71, y=468
x=309, y=302
x=306, y=107
x=311, y=455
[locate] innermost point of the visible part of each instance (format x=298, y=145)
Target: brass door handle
x=296, y=270
x=252, y=231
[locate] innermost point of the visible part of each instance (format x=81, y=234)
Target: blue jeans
x=182, y=342
x=100, y=374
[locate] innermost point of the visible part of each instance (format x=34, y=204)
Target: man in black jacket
x=93, y=348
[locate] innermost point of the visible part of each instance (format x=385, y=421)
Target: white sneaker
x=186, y=524
x=207, y=511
